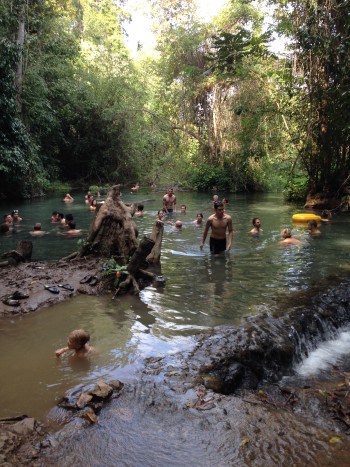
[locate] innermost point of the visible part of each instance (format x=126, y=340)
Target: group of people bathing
x=10, y=221
x=220, y=223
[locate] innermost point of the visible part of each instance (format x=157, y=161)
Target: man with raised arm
x=218, y=222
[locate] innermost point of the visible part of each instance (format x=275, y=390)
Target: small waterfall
x=325, y=355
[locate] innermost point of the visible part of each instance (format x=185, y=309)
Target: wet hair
x=78, y=338
x=60, y=215
x=218, y=205
x=312, y=223
x=14, y=212
x=286, y=233
x=200, y=214
x=37, y=226
x=255, y=219
x=93, y=202
x=4, y=228
x=6, y=216
x=178, y=223
x=71, y=224
x=140, y=207
x=160, y=210
x=225, y=200
x=69, y=217
x=54, y=213
x=183, y=206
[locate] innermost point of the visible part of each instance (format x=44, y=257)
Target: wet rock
x=24, y=427
x=83, y=400
x=89, y=415
x=101, y=390
x=116, y=384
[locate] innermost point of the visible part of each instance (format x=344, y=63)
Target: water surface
x=201, y=291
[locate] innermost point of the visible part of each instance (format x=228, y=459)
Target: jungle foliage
x=213, y=106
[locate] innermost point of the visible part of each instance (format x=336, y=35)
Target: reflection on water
x=201, y=291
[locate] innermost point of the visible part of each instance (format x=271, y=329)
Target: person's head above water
x=37, y=226
x=286, y=233
x=77, y=339
x=178, y=224
x=219, y=209
x=256, y=222
x=140, y=207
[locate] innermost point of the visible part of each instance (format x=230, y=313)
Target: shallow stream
x=200, y=292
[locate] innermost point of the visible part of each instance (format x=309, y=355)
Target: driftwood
x=135, y=268
x=23, y=252
x=157, y=237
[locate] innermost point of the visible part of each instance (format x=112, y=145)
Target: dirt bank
x=30, y=278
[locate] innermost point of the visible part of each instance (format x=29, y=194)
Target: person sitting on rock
x=15, y=216
x=312, y=227
x=37, y=230
x=139, y=212
x=78, y=340
x=287, y=238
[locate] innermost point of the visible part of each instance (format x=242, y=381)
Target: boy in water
x=288, y=239
x=312, y=227
x=78, y=341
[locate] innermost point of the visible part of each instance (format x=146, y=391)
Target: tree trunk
x=19, y=71
x=157, y=237
x=112, y=232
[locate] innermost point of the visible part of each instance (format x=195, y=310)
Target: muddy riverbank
x=31, y=279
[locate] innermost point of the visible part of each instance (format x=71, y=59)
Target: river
x=200, y=292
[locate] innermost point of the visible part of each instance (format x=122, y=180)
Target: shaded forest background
x=212, y=106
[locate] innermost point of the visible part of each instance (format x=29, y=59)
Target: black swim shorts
x=169, y=210
x=217, y=245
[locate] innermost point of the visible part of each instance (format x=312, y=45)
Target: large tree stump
x=157, y=237
x=112, y=232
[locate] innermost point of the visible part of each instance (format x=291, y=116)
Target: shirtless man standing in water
x=219, y=223
x=169, y=201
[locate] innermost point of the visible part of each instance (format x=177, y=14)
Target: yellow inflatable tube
x=305, y=217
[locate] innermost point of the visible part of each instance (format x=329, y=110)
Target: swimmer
x=218, y=223
x=93, y=205
x=135, y=188
x=37, y=230
x=256, y=230
x=287, y=238
x=178, y=225
x=8, y=219
x=71, y=229
x=77, y=340
x=139, y=212
x=183, y=208
x=326, y=216
x=312, y=227
x=199, y=219
x=15, y=216
x=68, y=198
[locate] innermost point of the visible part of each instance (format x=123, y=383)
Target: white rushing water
x=327, y=354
